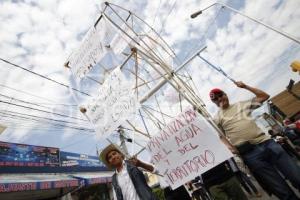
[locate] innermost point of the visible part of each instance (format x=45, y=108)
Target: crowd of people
x=263, y=154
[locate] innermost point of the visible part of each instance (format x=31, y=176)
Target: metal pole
x=217, y=69
x=128, y=57
x=137, y=35
x=251, y=18
x=154, y=90
x=146, y=25
x=122, y=139
x=190, y=59
x=199, y=107
x=166, y=78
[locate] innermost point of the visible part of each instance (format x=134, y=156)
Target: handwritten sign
x=91, y=50
x=121, y=41
x=187, y=147
x=114, y=104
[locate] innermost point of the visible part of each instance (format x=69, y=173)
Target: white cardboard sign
x=114, y=104
x=185, y=148
x=91, y=50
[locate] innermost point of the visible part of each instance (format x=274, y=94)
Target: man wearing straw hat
x=128, y=181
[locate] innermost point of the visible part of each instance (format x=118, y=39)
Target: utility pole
x=123, y=140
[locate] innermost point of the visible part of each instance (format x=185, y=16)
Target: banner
x=121, y=41
x=114, y=104
x=74, y=159
x=41, y=185
x=91, y=50
x=12, y=154
x=187, y=147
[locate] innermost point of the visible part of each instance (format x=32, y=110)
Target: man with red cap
x=262, y=155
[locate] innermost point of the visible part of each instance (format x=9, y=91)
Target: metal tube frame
x=255, y=20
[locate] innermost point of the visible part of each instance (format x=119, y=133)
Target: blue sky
x=39, y=35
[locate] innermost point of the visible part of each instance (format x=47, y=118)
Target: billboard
x=45, y=185
x=13, y=154
x=80, y=160
x=27, y=186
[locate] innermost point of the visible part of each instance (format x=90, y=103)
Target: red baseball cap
x=215, y=91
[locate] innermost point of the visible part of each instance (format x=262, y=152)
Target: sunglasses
x=216, y=96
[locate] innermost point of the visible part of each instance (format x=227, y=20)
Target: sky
x=40, y=35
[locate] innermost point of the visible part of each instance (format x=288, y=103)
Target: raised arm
x=260, y=96
x=141, y=164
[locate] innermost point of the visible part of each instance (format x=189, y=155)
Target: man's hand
x=134, y=161
x=233, y=150
x=240, y=84
x=261, y=96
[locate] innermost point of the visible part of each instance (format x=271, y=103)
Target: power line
x=44, y=111
x=30, y=103
x=42, y=76
x=15, y=99
x=28, y=124
x=156, y=13
x=76, y=142
x=36, y=96
x=205, y=35
x=36, y=120
x=39, y=117
x=165, y=20
x=54, y=124
x=24, y=92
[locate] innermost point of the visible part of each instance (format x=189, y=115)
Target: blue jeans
x=264, y=161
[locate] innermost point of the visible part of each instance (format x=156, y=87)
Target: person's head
x=112, y=156
x=219, y=97
x=271, y=132
x=287, y=121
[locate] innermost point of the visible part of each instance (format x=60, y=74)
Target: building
x=286, y=103
x=29, y=172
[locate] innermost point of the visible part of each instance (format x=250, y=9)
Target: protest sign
x=91, y=50
x=185, y=148
x=114, y=104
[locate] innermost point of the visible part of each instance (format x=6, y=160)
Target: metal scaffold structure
x=121, y=39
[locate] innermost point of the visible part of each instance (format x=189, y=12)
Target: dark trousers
x=265, y=159
x=228, y=190
x=246, y=183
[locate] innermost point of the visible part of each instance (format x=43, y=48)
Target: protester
x=260, y=153
x=222, y=183
x=198, y=190
x=128, y=181
x=292, y=125
x=243, y=178
x=285, y=142
x=179, y=193
x=291, y=131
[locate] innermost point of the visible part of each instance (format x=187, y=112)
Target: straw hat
x=109, y=148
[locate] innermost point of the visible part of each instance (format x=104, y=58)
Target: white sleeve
x=114, y=194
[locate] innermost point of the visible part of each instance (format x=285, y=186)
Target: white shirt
x=126, y=185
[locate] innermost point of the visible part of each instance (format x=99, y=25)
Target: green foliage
x=159, y=193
